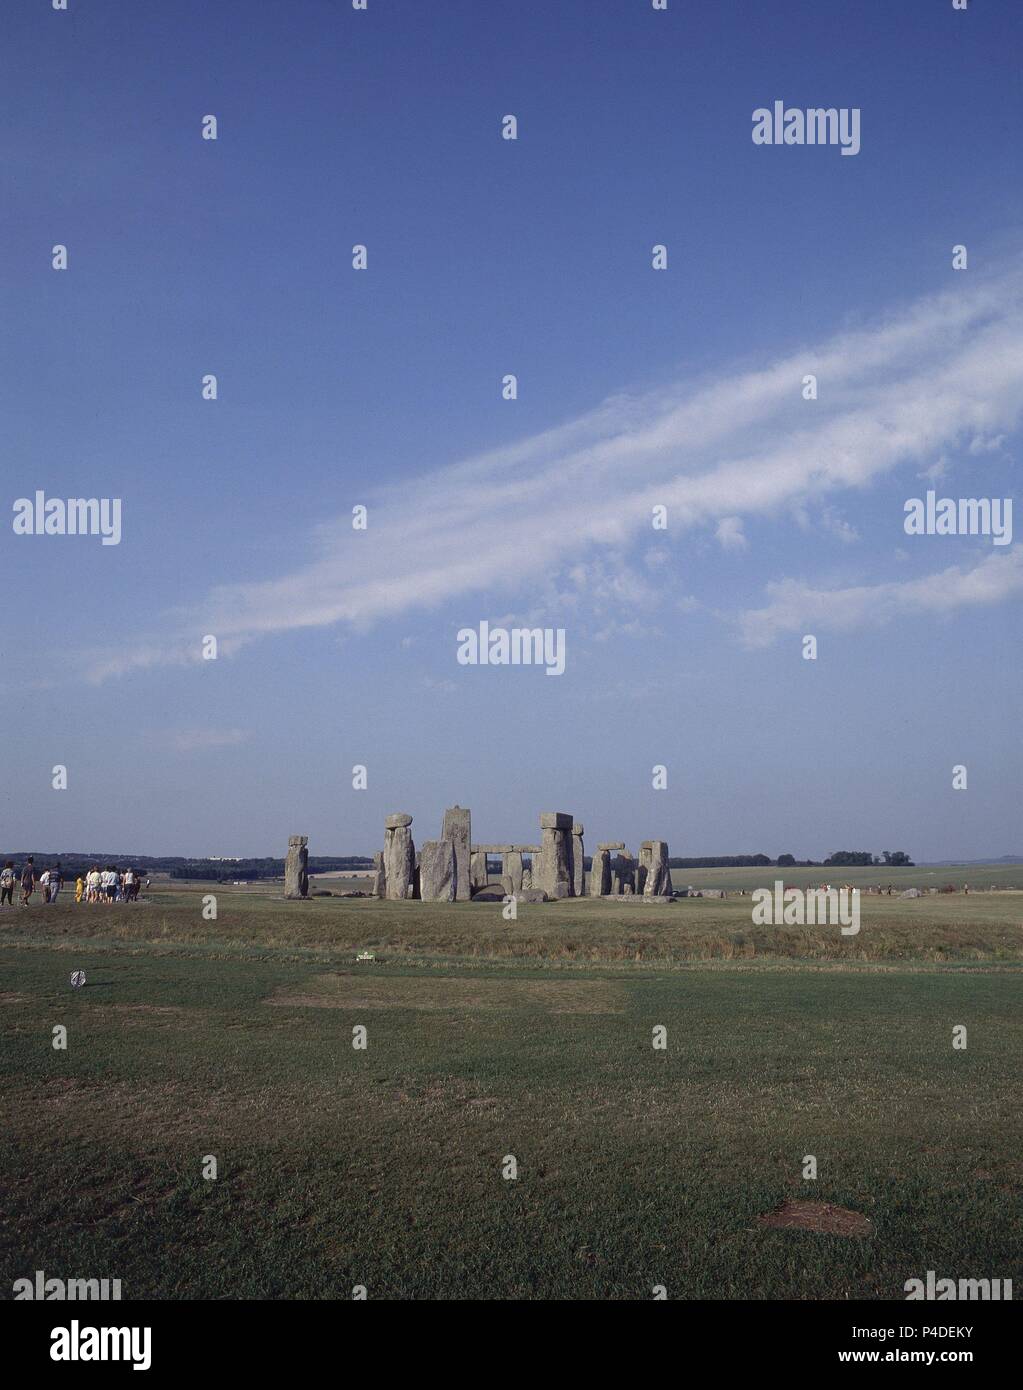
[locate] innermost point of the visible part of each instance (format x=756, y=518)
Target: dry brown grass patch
x=350, y=991
x=822, y=1217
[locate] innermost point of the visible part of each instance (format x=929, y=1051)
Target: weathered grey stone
x=613, y=845
x=578, y=862
x=643, y=867
x=438, y=871
x=625, y=873
x=296, y=875
x=457, y=829
x=555, y=855
x=530, y=895
x=911, y=893
x=380, y=878
x=638, y=899
x=527, y=880
x=600, y=874
x=537, y=869
x=397, y=820
x=513, y=870
x=658, y=877
x=399, y=857
x=477, y=870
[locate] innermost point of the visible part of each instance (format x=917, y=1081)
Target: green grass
x=486, y=1038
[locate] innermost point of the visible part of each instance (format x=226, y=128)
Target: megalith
x=643, y=868
x=457, y=829
x=658, y=878
x=478, y=870
x=379, y=877
x=600, y=874
x=438, y=871
x=578, y=864
x=555, y=855
x=513, y=869
x=296, y=875
x=625, y=872
x=399, y=856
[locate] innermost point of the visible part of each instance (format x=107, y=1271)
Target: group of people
x=107, y=885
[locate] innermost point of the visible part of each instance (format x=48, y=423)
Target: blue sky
x=636, y=387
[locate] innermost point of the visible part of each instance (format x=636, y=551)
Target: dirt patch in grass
x=7, y=997
x=141, y=1009
x=822, y=1217
x=562, y=996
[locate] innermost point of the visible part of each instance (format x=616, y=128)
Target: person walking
x=7, y=882
x=56, y=882
x=28, y=881
x=79, y=888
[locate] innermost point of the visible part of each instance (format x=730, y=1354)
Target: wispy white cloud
x=799, y=607
x=730, y=533
x=936, y=376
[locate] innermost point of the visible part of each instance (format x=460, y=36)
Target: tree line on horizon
x=228, y=870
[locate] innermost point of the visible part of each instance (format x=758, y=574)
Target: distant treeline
x=892, y=859
x=218, y=870
x=227, y=870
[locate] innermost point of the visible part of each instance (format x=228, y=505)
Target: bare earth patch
x=8, y=997
x=337, y=991
x=822, y=1217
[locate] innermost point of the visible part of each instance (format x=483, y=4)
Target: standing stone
x=643, y=871
x=625, y=873
x=478, y=870
x=578, y=864
x=399, y=856
x=536, y=870
x=438, y=871
x=513, y=869
x=296, y=875
x=457, y=829
x=527, y=880
x=556, y=854
x=658, y=879
x=379, y=877
x=600, y=874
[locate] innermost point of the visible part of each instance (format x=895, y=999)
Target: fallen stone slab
x=640, y=899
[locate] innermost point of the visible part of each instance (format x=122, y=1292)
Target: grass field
x=489, y=1038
